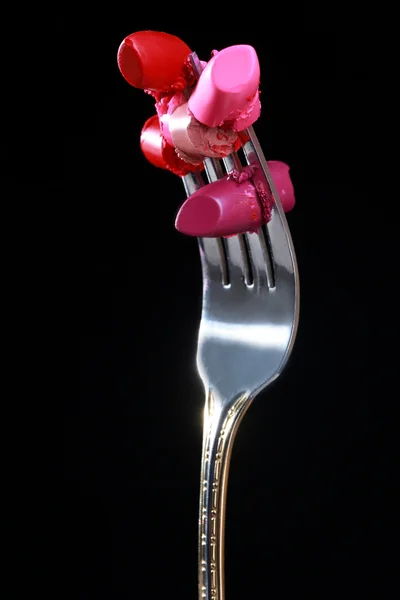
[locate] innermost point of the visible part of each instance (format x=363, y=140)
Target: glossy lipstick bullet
x=227, y=89
x=161, y=154
x=152, y=60
x=227, y=207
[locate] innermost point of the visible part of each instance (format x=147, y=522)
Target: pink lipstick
x=227, y=89
x=237, y=203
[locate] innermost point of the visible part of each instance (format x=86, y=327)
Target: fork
x=250, y=314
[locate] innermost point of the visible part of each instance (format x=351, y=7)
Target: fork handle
x=221, y=421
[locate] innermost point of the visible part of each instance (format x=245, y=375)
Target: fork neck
x=221, y=422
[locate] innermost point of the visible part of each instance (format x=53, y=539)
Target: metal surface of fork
x=249, y=321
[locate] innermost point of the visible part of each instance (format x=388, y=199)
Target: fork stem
x=221, y=421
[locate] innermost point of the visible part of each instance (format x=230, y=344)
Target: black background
x=303, y=512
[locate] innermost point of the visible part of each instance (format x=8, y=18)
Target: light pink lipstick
x=194, y=141
x=227, y=89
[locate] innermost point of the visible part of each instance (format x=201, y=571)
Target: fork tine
x=280, y=241
x=236, y=251
x=238, y=260
x=192, y=182
x=263, y=272
x=232, y=162
x=213, y=169
x=238, y=247
x=212, y=250
x=213, y=260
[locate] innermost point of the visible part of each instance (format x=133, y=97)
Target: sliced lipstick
x=227, y=90
x=222, y=208
x=152, y=60
x=280, y=172
x=233, y=204
x=194, y=141
x=161, y=154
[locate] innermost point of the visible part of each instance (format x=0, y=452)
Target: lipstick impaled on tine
x=203, y=112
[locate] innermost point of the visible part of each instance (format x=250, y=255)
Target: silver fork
x=248, y=326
